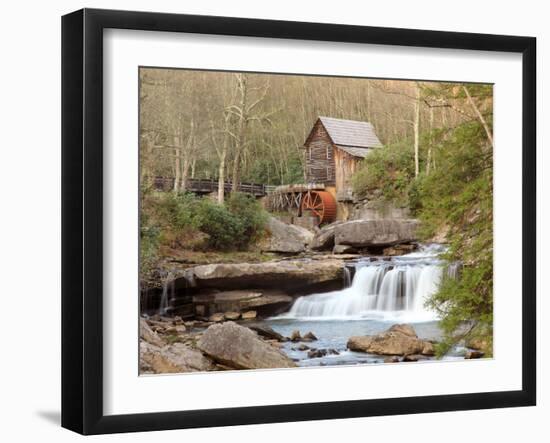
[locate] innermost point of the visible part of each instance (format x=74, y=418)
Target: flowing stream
x=394, y=290
x=380, y=293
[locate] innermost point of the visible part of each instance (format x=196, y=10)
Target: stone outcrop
x=344, y=237
x=217, y=317
x=365, y=233
x=232, y=303
x=231, y=315
x=324, y=239
x=397, y=340
x=174, y=358
x=478, y=344
x=148, y=335
x=287, y=275
x=267, y=332
x=158, y=357
x=239, y=347
x=286, y=238
x=249, y=315
x=473, y=354
x=376, y=210
x=343, y=249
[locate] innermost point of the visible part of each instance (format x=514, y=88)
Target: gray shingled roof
x=351, y=133
x=356, y=152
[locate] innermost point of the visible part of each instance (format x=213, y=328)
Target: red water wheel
x=321, y=204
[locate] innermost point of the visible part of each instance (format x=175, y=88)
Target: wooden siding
x=319, y=156
x=345, y=167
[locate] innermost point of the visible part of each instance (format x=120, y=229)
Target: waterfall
x=168, y=290
x=379, y=289
x=347, y=277
x=453, y=270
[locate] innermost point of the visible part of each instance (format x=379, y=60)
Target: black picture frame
x=82, y=218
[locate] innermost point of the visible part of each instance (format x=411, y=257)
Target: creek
x=380, y=292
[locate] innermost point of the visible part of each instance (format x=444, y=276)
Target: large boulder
x=398, y=340
x=324, y=239
x=365, y=233
x=286, y=238
x=174, y=358
x=240, y=348
x=147, y=335
x=287, y=275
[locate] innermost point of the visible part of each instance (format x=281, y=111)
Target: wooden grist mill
x=333, y=150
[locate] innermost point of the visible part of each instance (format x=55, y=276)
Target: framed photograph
x=270, y=221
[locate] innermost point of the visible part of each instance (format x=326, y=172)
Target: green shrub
x=224, y=229
x=148, y=245
x=251, y=214
x=177, y=219
x=177, y=210
x=388, y=171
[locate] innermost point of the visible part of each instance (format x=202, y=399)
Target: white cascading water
x=168, y=290
x=382, y=290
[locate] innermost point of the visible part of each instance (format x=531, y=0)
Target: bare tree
x=479, y=115
x=245, y=112
x=416, y=126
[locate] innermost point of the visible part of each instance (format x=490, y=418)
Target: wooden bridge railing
x=206, y=186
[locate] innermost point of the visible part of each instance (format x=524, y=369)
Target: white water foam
x=392, y=291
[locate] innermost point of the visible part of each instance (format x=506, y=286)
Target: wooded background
x=251, y=127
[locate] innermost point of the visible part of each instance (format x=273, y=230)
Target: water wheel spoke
x=320, y=204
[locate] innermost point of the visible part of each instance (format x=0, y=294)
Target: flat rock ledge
x=232, y=303
x=397, y=340
x=282, y=274
x=239, y=347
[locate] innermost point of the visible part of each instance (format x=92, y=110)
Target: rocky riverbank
x=171, y=345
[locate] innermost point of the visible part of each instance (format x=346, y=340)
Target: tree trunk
x=243, y=119
x=177, y=164
x=417, y=132
x=193, y=167
x=185, y=172
x=369, y=102
x=479, y=115
x=221, y=176
x=430, y=147
x=236, y=175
